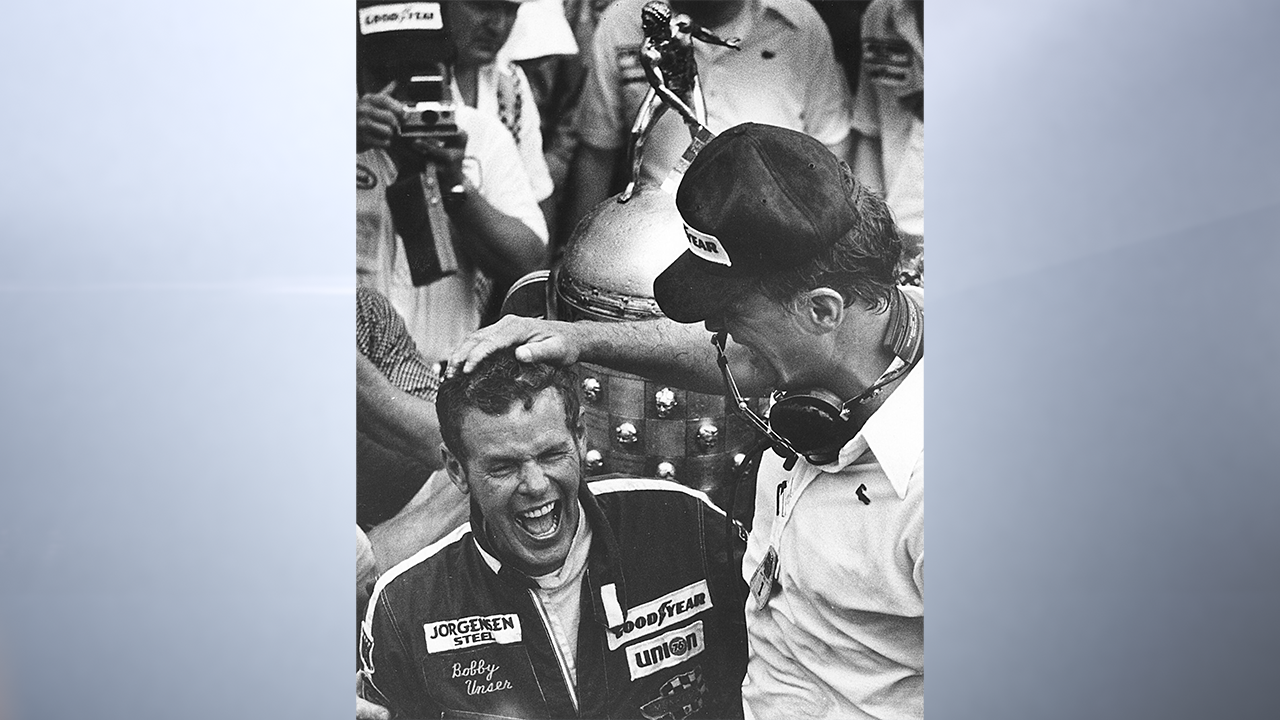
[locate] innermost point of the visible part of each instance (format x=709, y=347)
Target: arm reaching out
x=400, y=421
x=666, y=351
x=706, y=36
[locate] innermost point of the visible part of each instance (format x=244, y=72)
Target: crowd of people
x=495, y=577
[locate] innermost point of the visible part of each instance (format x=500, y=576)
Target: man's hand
x=447, y=158
x=366, y=710
x=378, y=118
x=395, y=419
x=557, y=343
x=659, y=349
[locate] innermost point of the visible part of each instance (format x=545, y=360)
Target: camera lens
x=429, y=117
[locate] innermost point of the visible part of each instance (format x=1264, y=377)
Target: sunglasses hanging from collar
x=814, y=423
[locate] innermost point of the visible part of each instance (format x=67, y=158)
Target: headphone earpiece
x=815, y=423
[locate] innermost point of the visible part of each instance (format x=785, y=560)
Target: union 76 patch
x=648, y=657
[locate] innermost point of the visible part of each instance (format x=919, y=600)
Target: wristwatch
x=455, y=196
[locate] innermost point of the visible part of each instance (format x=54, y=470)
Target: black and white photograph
x=640, y=375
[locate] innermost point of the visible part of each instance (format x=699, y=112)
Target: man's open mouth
x=541, y=522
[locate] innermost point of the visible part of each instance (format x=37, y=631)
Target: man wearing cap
x=797, y=265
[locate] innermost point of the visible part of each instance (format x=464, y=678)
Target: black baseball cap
x=757, y=199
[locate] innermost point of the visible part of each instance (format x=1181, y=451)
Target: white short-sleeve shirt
x=785, y=75
x=529, y=134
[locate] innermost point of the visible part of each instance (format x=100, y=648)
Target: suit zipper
x=555, y=648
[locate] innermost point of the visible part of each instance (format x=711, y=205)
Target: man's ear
x=822, y=309
x=457, y=473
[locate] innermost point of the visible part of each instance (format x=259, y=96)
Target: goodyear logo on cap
x=400, y=16
x=707, y=246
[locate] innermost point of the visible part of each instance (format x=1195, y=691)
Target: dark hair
x=655, y=16
x=862, y=264
x=493, y=386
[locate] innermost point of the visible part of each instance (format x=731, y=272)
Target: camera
x=428, y=105
x=407, y=43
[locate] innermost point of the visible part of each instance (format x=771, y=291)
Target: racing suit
x=454, y=632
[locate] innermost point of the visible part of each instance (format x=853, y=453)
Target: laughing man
x=561, y=598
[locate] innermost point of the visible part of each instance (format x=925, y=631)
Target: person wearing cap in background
x=796, y=264
x=482, y=80
x=498, y=229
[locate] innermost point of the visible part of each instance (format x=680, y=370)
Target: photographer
x=493, y=221
x=888, y=114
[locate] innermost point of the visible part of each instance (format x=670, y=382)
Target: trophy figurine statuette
x=634, y=425
x=667, y=58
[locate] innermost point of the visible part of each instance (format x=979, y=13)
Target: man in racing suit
x=617, y=598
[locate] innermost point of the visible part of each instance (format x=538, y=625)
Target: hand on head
x=534, y=340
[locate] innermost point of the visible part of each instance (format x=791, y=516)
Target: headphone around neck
x=815, y=423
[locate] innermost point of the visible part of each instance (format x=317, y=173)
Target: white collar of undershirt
x=575, y=562
x=894, y=433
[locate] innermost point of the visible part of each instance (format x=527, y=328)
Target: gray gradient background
x=176, y=391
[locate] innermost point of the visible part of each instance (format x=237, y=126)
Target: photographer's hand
x=446, y=157
x=501, y=245
x=378, y=118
